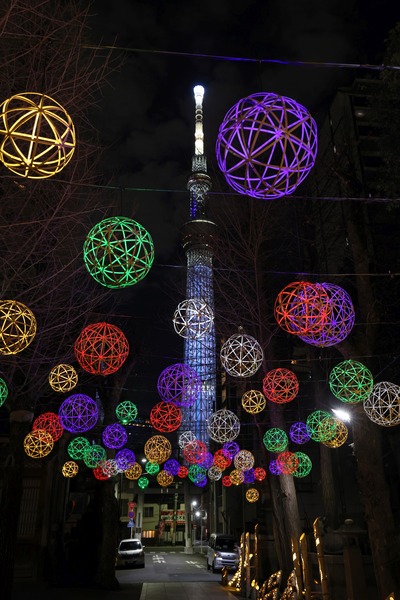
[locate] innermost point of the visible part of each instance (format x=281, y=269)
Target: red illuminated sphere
x=195, y=451
x=280, y=386
x=165, y=417
x=302, y=308
x=101, y=349
x=50, y=422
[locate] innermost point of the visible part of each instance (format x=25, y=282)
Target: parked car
x=222, y=551
x=130, y=553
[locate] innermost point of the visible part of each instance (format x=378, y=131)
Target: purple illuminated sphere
x=274, y=468
x=179, y=384
x=230, y=449
x=207, y=461
x=249, y=476
x=125, y=459
x=300, y=433
x=78, y=413
x=266, y=145
x=114, y=436
x=172, y=466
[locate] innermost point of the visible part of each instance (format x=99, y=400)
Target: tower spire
x=199, y=182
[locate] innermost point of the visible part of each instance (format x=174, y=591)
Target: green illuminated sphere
x=77, y=446
x=126, y=412
x=143, y=482
x=322, y=426
x=3, y=391
x=118, y=252
x=94, y=455
x=152, y=468
x=350, y=381
x=275, y=439
x=304, y=466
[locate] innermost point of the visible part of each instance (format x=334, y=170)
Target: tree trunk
x=105, y=577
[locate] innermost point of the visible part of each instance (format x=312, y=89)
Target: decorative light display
x=118, y=252
x=383, y=404
x=301, y=308
x=339, y=322
x=172, y=466
x=94, y=455
x=114, y=436
x=143, y=482
x=70, y=469
x=266, y=145
x=230, y=448
x=164, y=478
x=165, y=417
x=280, y=386
x=101, y=349
x=125, y=458
x=214, y=473
x=237, y=477
x=110, y=467
x=152, y=468
x=243, y=460
x=63, y=378
x=78, y=413
x=193, y=318
x=273, y=468
x=157, y=449
x=100, y=474
x=126, y=412
x=299, y=433
x=196, y=473
x=38, y=443
x=223, y=426
x=50, y=422
x=77, y=446
x=17, y=327
x=241, y=355
x=287, y=462
x=226, y=481
x=275, y=439
x=249, y=476
x=207, y=461
x=3, y=391
x=38, y=135
x=252, y=495
x=134, y=471
x=194, y=452
x=350, y=381
x=201, y=482
x=253, y=401
x=321, y=426
x=179, y=384
x=222, y=460
x=185, y=437
x=305, y=465
x=340, y=436
x=260, y=473
x=183, y=472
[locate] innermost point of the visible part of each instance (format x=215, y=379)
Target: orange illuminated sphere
x=38, y=135
x=252, y=495
x=157, y=449
x=165, y=417
x=38, y=443
x=101, y=349
x=236, y=476
x=340, y=436
x=17, y=326
x=70, y=469
x=164, y=478
x=63, y=378
x=134, y=472
x=302, y=307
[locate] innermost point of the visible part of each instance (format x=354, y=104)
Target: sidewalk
x=183, y=591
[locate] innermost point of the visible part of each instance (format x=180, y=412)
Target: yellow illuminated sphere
x=252, y=495
x=340, y=436
x=164, y=478
x=253, y=401
x=63, y=378
x=157, y=449
x=70, y=468
x=38, y=135
x=17, y=326
x=236, y=476
x=38, y=443
x=134, y=472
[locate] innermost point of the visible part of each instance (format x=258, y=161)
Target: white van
x=222, y=551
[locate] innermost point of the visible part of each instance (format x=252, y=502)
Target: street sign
x=130, y=523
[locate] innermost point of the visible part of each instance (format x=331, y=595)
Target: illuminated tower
x=198, y=236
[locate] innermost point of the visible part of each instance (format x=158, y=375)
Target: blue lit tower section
x=198, y=238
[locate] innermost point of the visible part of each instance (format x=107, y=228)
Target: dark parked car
x=130, y=553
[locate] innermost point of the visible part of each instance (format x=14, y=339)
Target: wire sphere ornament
x=193, y=318
x=183, y=472
x=77, y=446
x=194, y=451
x=350, y=381
x=230, y=449
x=321, y=426
x=114, y=436
x=340, y=436
x=3, y=391
x=110, y=467
x=207, y=461
x=118, y=252
x=17, y=327
x=101, y=348
x=126, y=412
x=304, y=466
x=275, y=439
x=266, y=145
x=152, y=468
x=287, y=462
x=164, y=478
x=274, y=468
x=244, y=460
x=280, y=386
x=301, y=308
x=165, y=417
x=222, y=459
x=143, y=482
x=223, y=426
x=260, y=473
x=196, y=473
x=94, y=455
x=339, y=322
x=38, y=443
x=299, y=433
x=185, y=438
x=226, y=481
x=253, y=402
x=38, y=135
x=201, y=482
x=179, y=384
x=249, y=476
x=134, y=471
x=236, y=476
x=63, y=378
x=252, y=495
x=157, y=449
x=50, y=422
x=241, y=355
x=125, y=458
x=214, y=473
x=383, y=404
x=70, y=469
x=99, y=473
x=172, y=466
x=78, y=413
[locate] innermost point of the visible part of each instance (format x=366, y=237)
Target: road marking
x=158, y=559
x=196, y=564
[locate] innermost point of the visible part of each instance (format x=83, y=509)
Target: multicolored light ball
x=287, y=462
x=17, y=327
x=114, y=436
x=280, y=386
x=275, y=439
x=266, y=145
x=253, y=402
x=241, y=355
x=383, y=404
x=223, y=426
x=50, y=422
x=165, y=417
x=350, y=381
x=302, y=308
x=118, y=252
x=193, y=318
x=38, y=443
x=63, y=378
x=78, y=413
x=179, y=384
x=101, y=348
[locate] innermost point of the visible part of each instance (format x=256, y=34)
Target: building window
x=148, y=511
